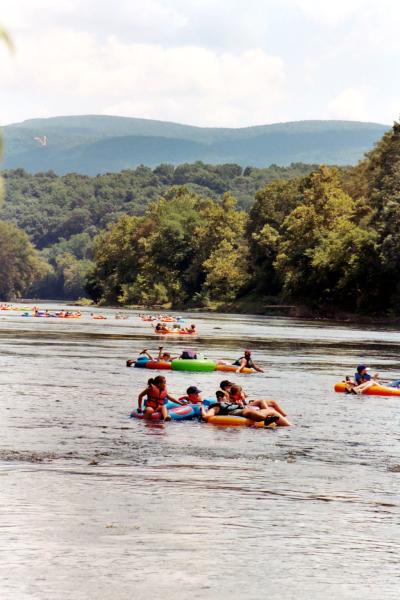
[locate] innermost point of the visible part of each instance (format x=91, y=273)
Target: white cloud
x=350, y=104
x=205, y=62
x=185, y=83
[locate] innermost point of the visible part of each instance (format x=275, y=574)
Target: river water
x=97, y=506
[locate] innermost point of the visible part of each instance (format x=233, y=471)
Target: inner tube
x=156, y=364
x=232, y=421
x=172, y=332
x=374, y=390
x=140, y=362
x=177, y=413
x=233, y=369
x=193, y=364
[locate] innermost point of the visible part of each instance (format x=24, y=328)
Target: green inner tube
x=193, y=364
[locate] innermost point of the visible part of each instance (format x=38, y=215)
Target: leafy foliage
x=20, y=264
x=322, y=236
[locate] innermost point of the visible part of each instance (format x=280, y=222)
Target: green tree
x=20, y=264
x=324, y=255
x=225, y=271
x=272, y=205
x=116, y=260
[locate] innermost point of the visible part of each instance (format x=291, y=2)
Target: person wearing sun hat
x=246, y=361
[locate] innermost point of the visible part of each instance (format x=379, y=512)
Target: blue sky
x=204, y=62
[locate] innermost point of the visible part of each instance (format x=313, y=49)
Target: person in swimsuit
x=246, y=361
x=226, y=407
x=162, y=357
x=236, y=394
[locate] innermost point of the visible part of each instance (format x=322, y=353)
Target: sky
x=226, y=63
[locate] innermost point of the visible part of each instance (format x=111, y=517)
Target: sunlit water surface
x=97, y=506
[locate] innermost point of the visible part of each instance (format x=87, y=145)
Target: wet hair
x=156, y=380
x=235, y=389
x=224, y=384
x=220, y=394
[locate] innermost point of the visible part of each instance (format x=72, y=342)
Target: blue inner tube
x=141, y=362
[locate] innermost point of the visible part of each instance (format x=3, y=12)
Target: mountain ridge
x=93, y=144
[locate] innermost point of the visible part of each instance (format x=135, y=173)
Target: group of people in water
x=244, y=362
x=164, y=318
x=176, y=328
x=230, y=400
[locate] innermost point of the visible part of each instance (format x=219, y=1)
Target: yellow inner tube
x=227, y=421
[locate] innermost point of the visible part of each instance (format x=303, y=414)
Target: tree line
x=62, y=214
x=323, y=237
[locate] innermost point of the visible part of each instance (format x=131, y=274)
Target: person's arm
x=257, y=368
x=241, y=366
x=160, y=351
x=140, y=399
x=146, y=353
x=175, y=400
x=211, y=412
x=182, y=400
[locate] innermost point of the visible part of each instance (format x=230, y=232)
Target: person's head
x=193, y=326
x=166, y=355
x=247, y=353
x=220, y=395
x=193, y=391
x=225, y=385
x=362, y=369
x=160, y=382
x=235, y=391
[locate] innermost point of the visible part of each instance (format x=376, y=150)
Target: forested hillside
x=62, y=215
x=320, y=236
x=100, y=144
x=330, y=239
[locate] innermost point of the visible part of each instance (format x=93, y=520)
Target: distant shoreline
x=248, y=308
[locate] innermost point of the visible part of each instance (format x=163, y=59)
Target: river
x=97, y=506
